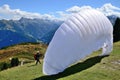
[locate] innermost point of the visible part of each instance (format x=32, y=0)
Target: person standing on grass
x=37, y=57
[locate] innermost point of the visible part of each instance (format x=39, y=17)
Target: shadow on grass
x=74, y=69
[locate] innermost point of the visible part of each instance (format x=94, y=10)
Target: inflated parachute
x=80, y=35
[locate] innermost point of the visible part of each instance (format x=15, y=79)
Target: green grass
x=26, y=72
x=91, y=68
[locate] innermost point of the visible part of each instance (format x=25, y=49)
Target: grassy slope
x=92, y=68
x=22, y=51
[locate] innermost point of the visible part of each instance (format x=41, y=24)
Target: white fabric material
x=76, y=38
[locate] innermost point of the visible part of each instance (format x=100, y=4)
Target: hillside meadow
x=22, y=51
x=92, y=67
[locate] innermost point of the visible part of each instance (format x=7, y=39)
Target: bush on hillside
x=14, y=62
x=4, y=66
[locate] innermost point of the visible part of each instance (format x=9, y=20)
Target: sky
x=15, y=9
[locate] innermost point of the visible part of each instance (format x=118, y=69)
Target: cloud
x=76, y=9
x=62, y=15
x=109, y=9
x=7, y=13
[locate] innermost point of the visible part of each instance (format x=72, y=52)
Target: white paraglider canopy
x=80, y=35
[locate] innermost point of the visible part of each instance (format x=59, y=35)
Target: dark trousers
x=38, y=61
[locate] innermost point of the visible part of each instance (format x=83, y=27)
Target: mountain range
x=35, y=30
x=27, y=30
